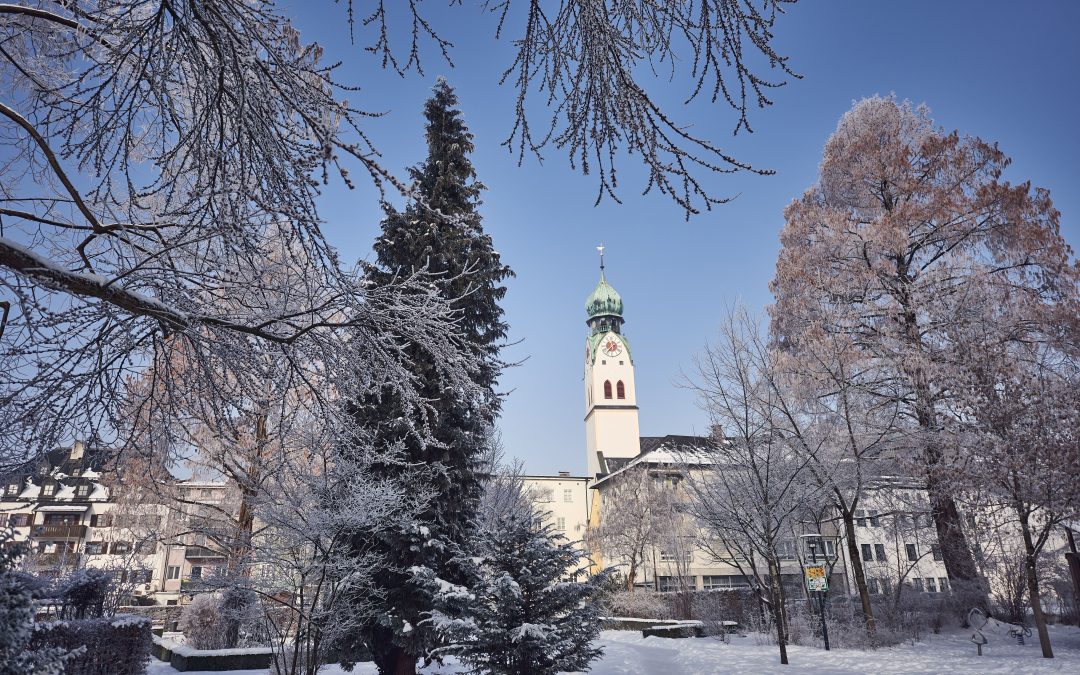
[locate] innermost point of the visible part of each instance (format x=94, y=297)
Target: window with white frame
x=721, y=582
x=672, y=556
x=173, y=572
x=560, y=524
x=568, y=495
x=48, y=489
x=786, y=549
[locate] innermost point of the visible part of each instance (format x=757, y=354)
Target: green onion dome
x=604, y=300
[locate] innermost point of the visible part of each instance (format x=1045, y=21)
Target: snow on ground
x=627, y=653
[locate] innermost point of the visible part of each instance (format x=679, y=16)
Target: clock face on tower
x=611, y=347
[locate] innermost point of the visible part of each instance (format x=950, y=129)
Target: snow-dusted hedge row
x=117, y=645
x=184, y=658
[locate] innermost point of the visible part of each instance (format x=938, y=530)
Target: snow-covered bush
x=203, y=624
x=641, y=603
x=520, y=615
x=117, y=645
x=82, y=593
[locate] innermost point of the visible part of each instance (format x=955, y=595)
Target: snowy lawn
x=627, y=652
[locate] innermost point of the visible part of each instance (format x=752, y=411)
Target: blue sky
x=1000, y=70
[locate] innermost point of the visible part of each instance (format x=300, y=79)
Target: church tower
x=611, y=412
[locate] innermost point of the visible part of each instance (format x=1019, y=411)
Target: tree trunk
x=859, y=571
x=1033, y=584
x=779, y=618
x=397, y=661
x=959, y=563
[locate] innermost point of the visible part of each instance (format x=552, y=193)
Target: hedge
x=117, y=645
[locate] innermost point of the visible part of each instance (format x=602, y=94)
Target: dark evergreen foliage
x=440, y=232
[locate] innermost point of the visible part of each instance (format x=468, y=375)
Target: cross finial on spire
x=600, y=248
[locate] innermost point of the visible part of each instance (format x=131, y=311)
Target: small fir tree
x=440, y=232
x=521, y=614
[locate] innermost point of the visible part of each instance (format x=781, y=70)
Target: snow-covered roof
x=672, y=451
x=62, y=507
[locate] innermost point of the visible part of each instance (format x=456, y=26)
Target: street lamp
x=813, y=544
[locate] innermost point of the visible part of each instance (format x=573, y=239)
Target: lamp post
x=821, y=597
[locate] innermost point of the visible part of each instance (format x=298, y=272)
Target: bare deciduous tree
x=759, y=485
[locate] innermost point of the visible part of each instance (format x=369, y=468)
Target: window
x=917, y=583
x=120, y=548
x=935, y=550
x=196, y=572
x=620, y=390
x=19, y=520
x=48, y=489
x=860, y=518
x=95, y=547
x=173, y=572
x=830, y=548
x=931, y=586
x=713, y=583
x=546, y=496
x=82, y=490
x=943, y=584
x=672, y=556
x=144, y=547
x=912, y=552
x=567, y=495
x=867, y=554
x=560, y=524
x=101, y=520
x=61, y=519
x=786, y=549
x=667, y=583
x=971, y=521
x=142, y=576
x=13, y=489
x=879, y=550
x=874, y=519
x=620, y=363
x=872, y=586
x=607, y=388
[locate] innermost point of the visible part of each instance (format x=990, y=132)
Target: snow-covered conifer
x=524, y=612
x=441, y=234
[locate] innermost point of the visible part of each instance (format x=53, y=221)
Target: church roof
x=604, y=300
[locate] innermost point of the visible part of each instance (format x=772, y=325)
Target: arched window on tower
x=620, y=390
x=607, y=388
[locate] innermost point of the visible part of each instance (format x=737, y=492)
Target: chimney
x=564, y=474
x=77, y=449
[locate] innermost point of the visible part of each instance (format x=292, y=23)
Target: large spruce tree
x=439, y=231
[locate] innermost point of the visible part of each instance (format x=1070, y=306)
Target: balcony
x=58, y=531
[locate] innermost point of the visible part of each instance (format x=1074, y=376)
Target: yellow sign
x=816, y=580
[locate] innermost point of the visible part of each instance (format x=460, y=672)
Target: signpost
x=817, y=580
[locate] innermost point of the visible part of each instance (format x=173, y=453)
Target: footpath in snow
x=626, y=652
